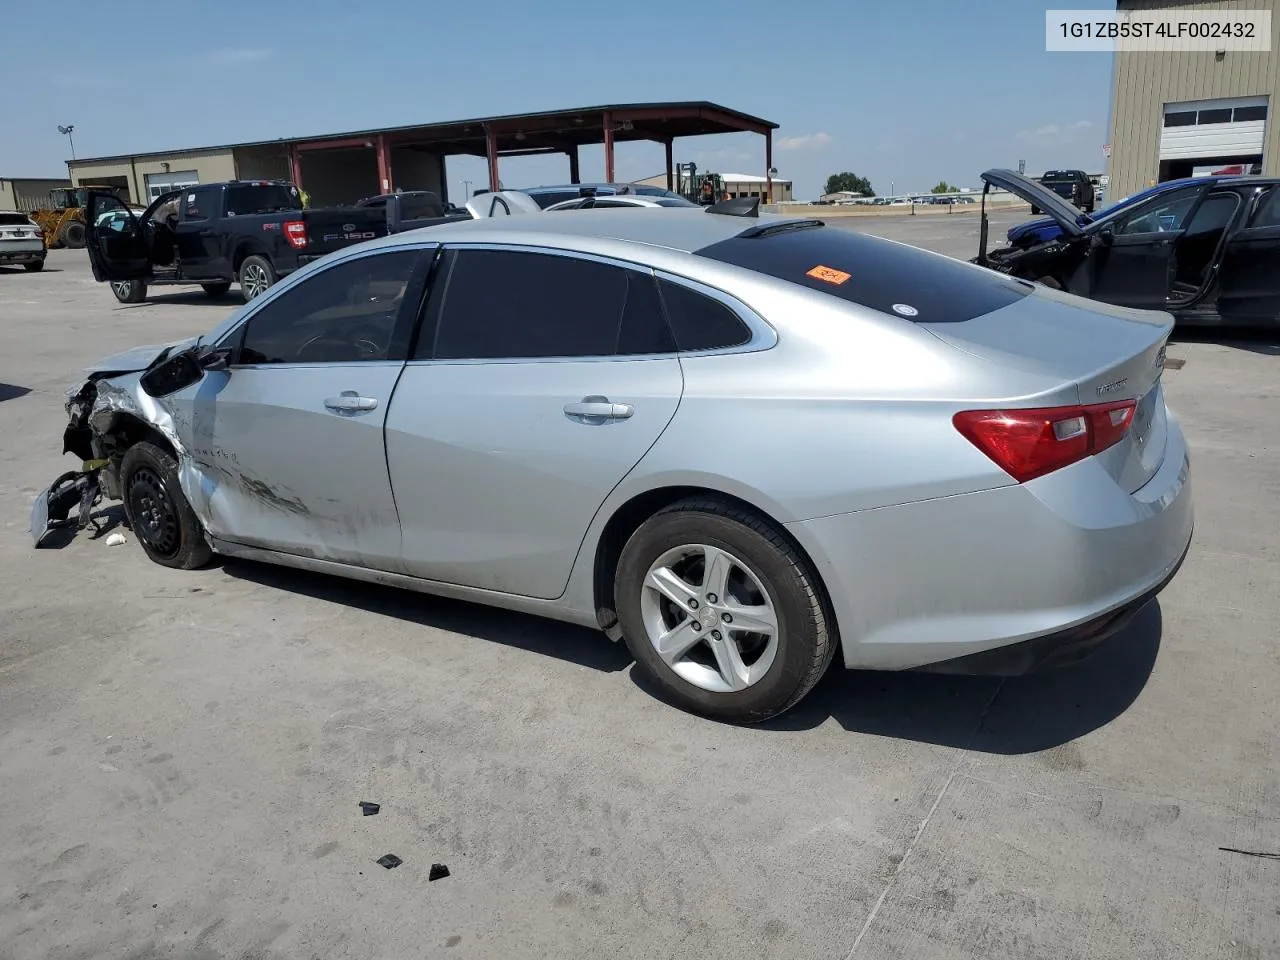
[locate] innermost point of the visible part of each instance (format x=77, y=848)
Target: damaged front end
x=117, y=406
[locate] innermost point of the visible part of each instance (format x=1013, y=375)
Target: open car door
x=119, y=244
x=1248, y=281
x=1131, y=259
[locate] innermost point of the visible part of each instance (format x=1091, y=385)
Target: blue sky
x=905, y=92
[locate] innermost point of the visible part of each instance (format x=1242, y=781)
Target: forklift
x=705, y=188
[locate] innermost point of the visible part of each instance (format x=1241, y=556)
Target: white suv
x=21, y=241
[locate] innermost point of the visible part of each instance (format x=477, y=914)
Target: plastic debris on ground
x=115, y=539
x=438, y=872
x=369, y=809
x=390, y=861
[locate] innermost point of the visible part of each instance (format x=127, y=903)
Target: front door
x=540, y=381
x=119, y=246
x=288, y=443
x=1131, y=261
x=1248, y=281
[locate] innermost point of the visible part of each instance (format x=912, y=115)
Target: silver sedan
x=743, y=444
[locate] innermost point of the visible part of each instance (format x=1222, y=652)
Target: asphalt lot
x=182, y=754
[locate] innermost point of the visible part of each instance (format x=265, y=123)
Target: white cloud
x=809, y=141
x=1053, y=133
x=230, y=56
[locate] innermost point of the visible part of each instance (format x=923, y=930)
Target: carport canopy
x=557, y=131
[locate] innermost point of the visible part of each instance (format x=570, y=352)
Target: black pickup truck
x=251, y=232
x=412, y=210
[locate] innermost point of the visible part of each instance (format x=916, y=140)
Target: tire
x=1035, y=211
x=158, y=513
x=676, y=540
x=35, y=266
x=215, y=289
x=129, y=291
x=72, y=235
x=256, y=275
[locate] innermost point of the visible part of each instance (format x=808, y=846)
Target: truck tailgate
x=330, y=229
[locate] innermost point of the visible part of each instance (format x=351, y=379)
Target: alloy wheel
x=710, y=618
x=255, y=280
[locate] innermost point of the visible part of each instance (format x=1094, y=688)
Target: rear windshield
x=248, y=199
x=14, y=220
x=893, y=278
x=1055, y=177
x=421, y=206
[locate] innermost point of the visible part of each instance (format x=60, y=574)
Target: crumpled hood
x=137, y=358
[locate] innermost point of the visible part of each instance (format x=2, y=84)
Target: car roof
x=676, y=228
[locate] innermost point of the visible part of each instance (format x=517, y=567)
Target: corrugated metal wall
x=28, y=195
x=1146, y=81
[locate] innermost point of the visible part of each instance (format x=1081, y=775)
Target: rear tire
x=35, y=266
x=72, y=235
x=256, y=276
x=129, y=291
x=215, y=289
x=766, y=581
x=159, y=514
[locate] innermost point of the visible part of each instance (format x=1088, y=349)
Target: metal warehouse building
x=1188, y=113
x=342, y=168
x=27, y=193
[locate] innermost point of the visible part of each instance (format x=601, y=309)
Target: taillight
x=296, y=231
x=1030, y=443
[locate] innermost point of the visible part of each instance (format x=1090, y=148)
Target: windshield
x=246, y=199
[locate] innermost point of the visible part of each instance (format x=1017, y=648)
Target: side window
x=700, y=322
x=341, y=315
x=1267, y=213
x=195, y=205
x=1214, y=214
x=502, y=304
x=1160, y=215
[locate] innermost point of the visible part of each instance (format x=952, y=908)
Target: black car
x=213, y=234
x=1206, y=252
x=1074, y=186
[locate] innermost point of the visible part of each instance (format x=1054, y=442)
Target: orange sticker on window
x=829, y=275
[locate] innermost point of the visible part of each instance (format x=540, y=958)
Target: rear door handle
x=349, y=402
x=597, y=409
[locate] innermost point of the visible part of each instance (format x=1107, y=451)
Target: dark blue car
x=1042, y=231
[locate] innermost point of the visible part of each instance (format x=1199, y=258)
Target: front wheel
x=256, y=275
x=159, y=514
x=129, y=291
x=72, y=235
x=215, y=289
x=722, y=612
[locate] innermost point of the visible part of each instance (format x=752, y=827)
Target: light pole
x=466, y=189
x=66, y=131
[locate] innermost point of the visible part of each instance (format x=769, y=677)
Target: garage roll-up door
x=1213, y=128
x=158, y=183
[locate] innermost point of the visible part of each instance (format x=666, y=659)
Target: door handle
x=597, y=409
x=350, y=402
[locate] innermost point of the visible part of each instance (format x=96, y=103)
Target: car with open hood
x=745, y=445
x=1204, y=251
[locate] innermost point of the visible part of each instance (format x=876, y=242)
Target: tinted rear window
x=250, y=199
x=892, y=278
x=14, y=220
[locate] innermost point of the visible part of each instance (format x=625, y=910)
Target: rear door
x=198, y=248
x=1248, y=279
x=118, y=243
x=1131, y=261
x=539, y=380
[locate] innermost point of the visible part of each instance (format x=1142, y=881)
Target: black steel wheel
x=162, y=520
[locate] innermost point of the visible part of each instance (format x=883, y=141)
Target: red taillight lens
x=1030, y=443
x=296, y=231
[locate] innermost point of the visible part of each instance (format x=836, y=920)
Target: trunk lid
x=1038, y=195
x=330, y=229
x=1107, y=353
